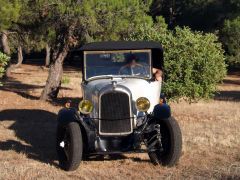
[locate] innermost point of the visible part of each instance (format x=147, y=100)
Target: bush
x=3, y=62
x=65, y=80
x=230, y=36
x=194, y=62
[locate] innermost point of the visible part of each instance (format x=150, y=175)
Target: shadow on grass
x=12, y=85
x=231, y=82
x=228, y=96
x=113, y=157
x=110, y=157
x=23, y=90
x=231, y=95
x=35, y=130
x=63, y=100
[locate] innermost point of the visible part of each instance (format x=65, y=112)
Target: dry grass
x=211, y=146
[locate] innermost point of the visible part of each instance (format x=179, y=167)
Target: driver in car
x=134, y=68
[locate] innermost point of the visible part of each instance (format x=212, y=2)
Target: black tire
x=70, y=155
x=171, y=138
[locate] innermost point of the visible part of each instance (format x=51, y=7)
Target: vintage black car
x=122, y=110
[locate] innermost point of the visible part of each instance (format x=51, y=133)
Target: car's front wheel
x=69, y=146
x=171, y=139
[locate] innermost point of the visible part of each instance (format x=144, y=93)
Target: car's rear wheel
x=69, y=146
x=171, y=139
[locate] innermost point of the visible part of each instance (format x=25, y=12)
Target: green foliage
x=71, y=22
x=204, y=15
x=114, y=20
x=230, y=36
x=65, y=80
x=75, y=22
x=9, y=10
x=3, y=62
x=194, y=62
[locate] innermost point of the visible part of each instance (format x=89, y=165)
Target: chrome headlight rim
x=142, y=104
x=85, y=106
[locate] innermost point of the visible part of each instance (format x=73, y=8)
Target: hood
x=137, y=87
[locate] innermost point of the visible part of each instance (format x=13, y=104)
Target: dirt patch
x=211, y=136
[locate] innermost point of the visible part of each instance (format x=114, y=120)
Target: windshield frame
x=116, y=76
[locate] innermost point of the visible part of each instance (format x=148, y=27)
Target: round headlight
x=142, y=104
x=85, y=107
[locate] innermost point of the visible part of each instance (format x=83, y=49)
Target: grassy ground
x=211, y=135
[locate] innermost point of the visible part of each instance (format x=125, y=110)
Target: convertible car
x=122, y=109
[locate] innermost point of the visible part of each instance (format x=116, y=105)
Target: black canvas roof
x=121, y=45
x=157, y=51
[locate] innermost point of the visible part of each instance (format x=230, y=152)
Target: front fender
x=162, y=111
x=67, y=115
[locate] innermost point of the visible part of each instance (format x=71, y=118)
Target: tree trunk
x=48, y=53
x=61, y=49
x=54, y=77
x=20, y=57
x=6, y=48
x=19, y=62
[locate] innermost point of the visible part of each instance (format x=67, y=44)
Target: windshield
x=127, y=63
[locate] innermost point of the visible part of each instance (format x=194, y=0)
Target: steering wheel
x=125, y=70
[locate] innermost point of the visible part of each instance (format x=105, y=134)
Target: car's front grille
x=115, y=113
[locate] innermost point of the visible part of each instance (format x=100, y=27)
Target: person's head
x=131, y=59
